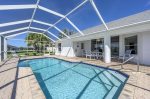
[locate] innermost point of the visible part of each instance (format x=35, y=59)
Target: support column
x=0, y=48
x=5, y=48
x=107, y=49
x=121, y=45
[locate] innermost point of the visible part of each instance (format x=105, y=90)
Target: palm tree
x=37, y=41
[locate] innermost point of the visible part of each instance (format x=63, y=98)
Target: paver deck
x=20, y=83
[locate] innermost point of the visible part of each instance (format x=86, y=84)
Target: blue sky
x=83, y=18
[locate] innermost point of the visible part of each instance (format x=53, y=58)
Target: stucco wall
x=143, y=47
x=146, y=48
x=66, y=48
x=77, y=46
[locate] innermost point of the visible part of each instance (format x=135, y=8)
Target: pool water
x=61, y=79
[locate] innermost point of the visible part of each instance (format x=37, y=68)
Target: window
x=59, y=46
x=97, y=45
x=82, y=45
x=131, y=44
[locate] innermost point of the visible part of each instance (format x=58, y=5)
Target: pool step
x=117, y=75
x=111, y=93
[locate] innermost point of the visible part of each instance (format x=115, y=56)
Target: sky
x=83, y=18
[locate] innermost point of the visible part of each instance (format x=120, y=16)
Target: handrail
x=129, y=60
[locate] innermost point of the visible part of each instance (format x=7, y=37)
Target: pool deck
x=20, y=83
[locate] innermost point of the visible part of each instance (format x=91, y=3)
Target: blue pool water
x=61, y=79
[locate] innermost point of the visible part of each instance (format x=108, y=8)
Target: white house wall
x=77, y=47
x=143, y=46
x=145, y=50
x=66, y=49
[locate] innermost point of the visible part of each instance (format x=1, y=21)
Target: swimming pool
x=61, y=79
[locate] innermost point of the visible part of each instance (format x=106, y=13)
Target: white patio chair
x=89, y=54
x=99, y=55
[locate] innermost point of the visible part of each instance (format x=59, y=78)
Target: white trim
x=98, y=13
x=15, y=30
x=129, y=25
x=50, y=11
x=41, y=22
x=15, y=7
x=75, y=26
x=14, y=23
x=61, y=31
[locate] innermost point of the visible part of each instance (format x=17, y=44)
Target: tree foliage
x=37, y=41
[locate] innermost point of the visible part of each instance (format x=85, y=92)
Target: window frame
x=132, y=45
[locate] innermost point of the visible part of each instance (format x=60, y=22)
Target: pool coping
x=99, y=66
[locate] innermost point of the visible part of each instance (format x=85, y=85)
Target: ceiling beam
x=50, y=11
x=61, y=32
x=17, y=7
x=37, y=28
x=33, y=14
x=64, y=17
x=14, y=23
x=73, y=25
x=41, y=22
x=10, y=36
x=53, y=35
x=98, y=13
x=14, y=30
x=43, y=30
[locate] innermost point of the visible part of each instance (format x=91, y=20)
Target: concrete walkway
x=20, y=83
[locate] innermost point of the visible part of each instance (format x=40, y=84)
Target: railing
x=129, y=59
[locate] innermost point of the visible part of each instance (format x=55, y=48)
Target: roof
x=132, y=19
x=11, y=46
